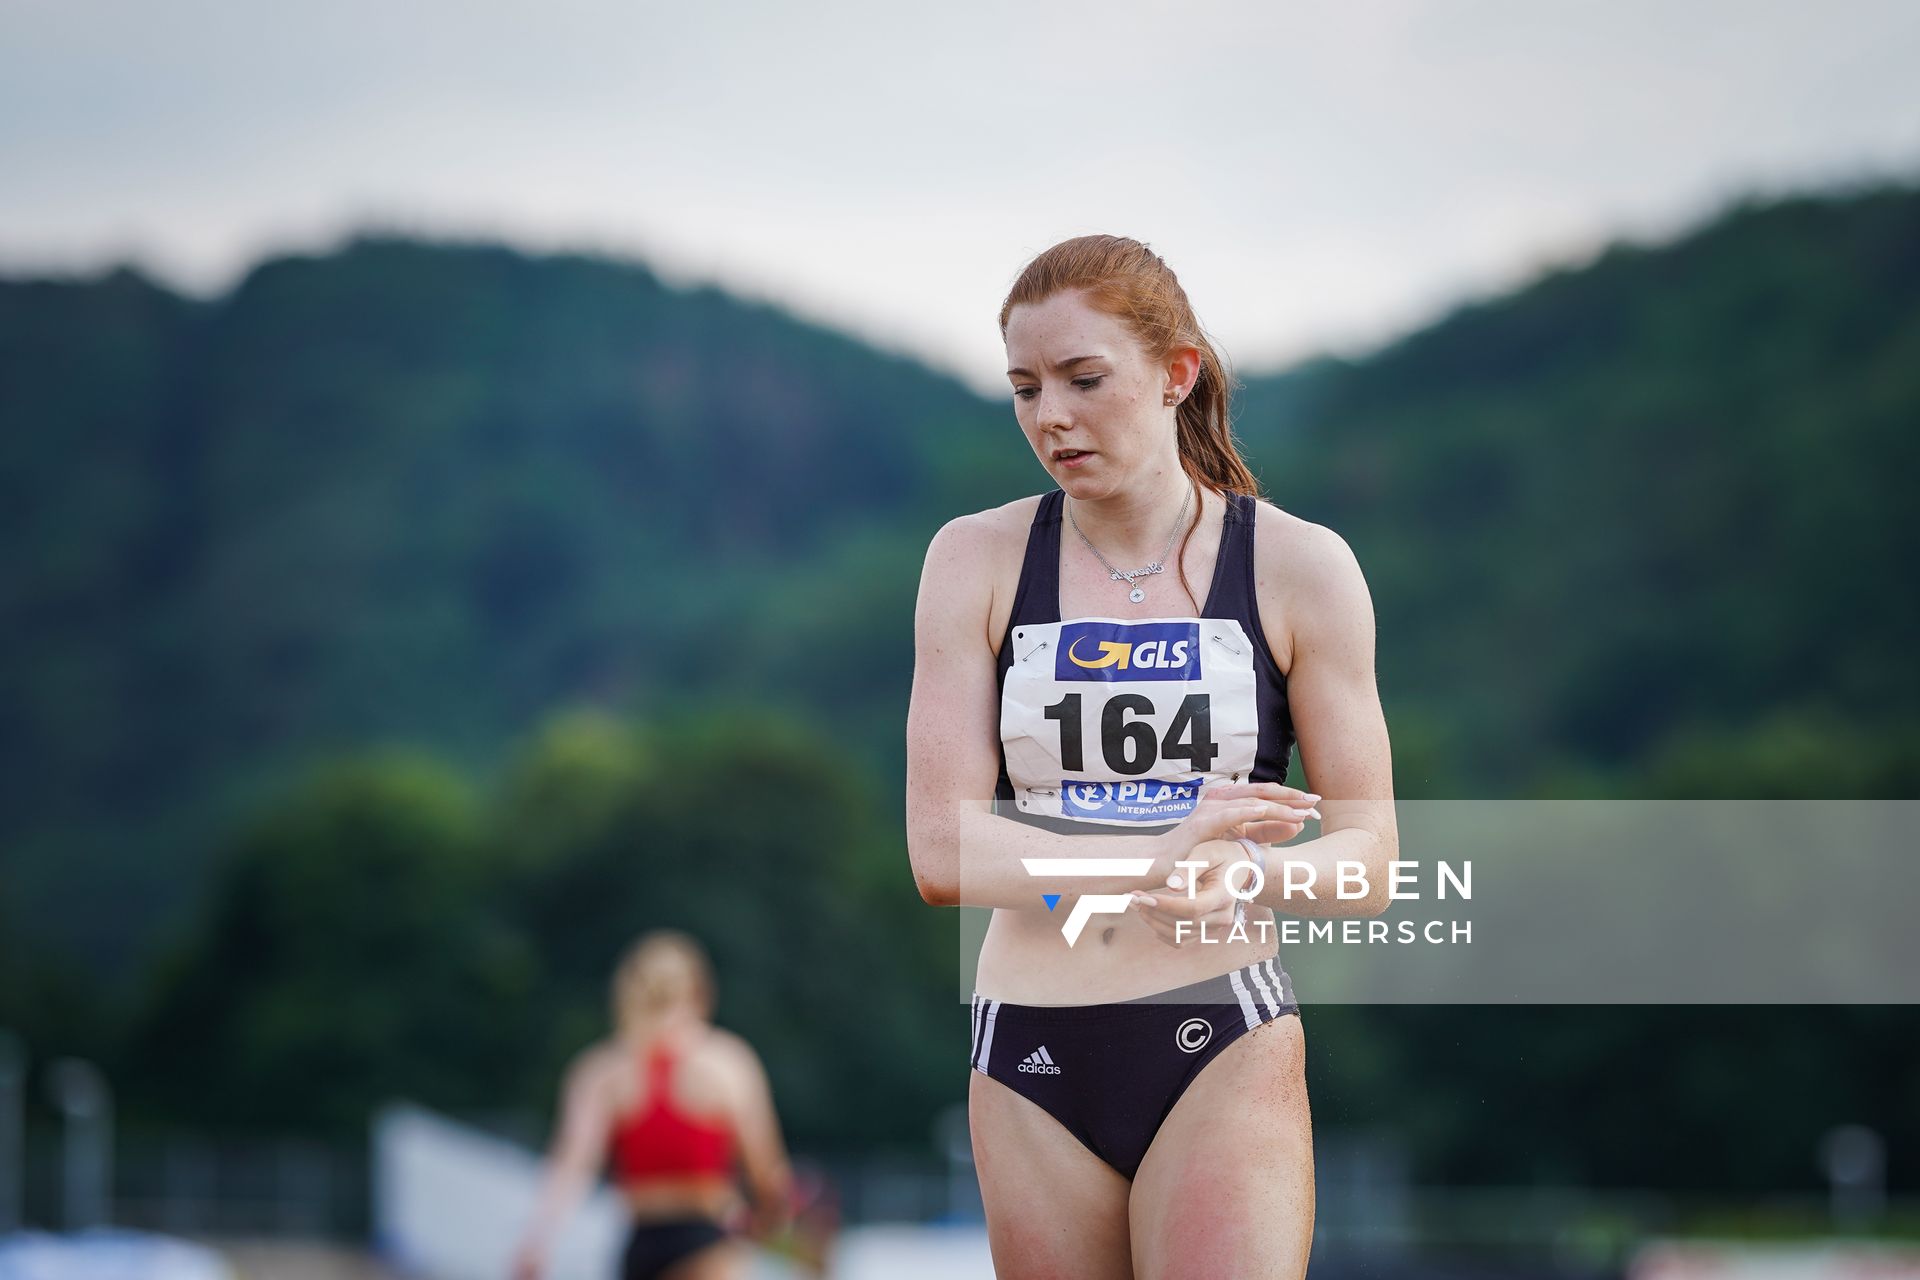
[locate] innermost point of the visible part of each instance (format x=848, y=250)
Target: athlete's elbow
x=1374, y=904
x=935, y=890
x=772, y=1184
x=931, y=875
x=1378, y=898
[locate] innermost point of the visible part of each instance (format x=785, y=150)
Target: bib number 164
x=1128, y=745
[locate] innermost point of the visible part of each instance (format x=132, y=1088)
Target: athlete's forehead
x=1059, y=333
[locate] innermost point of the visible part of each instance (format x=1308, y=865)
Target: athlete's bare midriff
x=658, y=1199
x=1024, y=959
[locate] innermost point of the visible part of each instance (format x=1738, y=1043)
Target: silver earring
x=1170, y=398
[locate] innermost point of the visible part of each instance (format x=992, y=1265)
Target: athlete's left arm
x=763, y=1153
x=1314, y=604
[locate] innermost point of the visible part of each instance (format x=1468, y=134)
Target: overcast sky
x=1320, y=175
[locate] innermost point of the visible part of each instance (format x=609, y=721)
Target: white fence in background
x=449, y=1202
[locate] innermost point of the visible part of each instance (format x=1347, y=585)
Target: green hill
x=1657, y=500
x=410, y=492
x=1625, y=527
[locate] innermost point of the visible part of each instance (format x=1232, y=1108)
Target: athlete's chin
x=1079, y=484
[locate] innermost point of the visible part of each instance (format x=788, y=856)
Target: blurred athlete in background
x=671, y=1102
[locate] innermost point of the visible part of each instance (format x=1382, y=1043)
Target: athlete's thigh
x=1226, y=1188
x=724, y=1260
x=1055, y=1211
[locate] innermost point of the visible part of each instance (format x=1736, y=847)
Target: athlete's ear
x=1183, y=370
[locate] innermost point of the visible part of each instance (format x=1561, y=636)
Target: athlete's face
x=1089, y=400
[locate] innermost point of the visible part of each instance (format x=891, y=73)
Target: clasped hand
x=1265, y=812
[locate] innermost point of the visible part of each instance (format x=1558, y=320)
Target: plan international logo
x=1167, y=801
x=1113, y=651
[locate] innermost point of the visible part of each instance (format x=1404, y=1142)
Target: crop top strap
x=659, y=1063
x=1233, y=576
x=1037, y=598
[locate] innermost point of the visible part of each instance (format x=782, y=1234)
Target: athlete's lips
x=1071, y=457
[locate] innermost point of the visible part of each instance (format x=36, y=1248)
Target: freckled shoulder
x=1004, y=536
x=1290, y=556
x=1009, y=519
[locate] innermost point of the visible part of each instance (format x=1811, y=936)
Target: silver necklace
x=1138, y=593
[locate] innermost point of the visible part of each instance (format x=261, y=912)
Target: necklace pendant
x=1137, y=595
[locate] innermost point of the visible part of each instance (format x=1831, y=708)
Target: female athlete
x=1109, y=680
x=671, y=1100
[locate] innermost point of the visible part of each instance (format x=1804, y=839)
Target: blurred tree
x=746, y=829
x=346, y=958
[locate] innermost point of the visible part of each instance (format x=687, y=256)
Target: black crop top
x=1113, y=724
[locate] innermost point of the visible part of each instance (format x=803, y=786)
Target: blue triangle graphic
x=1051, y=899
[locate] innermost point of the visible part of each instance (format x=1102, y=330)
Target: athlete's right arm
x=964, y=854
x=579, y=1141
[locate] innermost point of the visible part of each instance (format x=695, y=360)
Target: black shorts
x=1110, y=1073
x=652, y=1247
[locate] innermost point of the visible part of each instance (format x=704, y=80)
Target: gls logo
x=1112, y=651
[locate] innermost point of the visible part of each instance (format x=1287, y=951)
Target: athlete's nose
x=1049, y=413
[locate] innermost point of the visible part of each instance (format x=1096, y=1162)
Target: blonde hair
x=662, y=970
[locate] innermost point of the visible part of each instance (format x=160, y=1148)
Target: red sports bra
x=659, y=1139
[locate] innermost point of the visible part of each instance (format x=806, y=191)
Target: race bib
x=1122, y=722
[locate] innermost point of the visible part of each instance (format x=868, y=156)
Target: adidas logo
x=1040, y=1063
